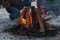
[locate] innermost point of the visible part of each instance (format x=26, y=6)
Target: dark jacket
x=18, y=3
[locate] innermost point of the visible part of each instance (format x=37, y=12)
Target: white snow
x=7, y=36
x=55, y=20
x=5, y=21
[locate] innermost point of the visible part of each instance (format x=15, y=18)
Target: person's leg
x=14, y=13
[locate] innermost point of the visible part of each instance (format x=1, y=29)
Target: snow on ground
x=4, y=19
x=6, y=36
x=54, y=20
x=4, y=22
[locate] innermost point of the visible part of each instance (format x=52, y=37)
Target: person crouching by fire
x=14, y=6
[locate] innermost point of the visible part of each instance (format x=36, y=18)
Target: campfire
x=30, y=18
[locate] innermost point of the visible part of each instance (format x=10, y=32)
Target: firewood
x=42, y=29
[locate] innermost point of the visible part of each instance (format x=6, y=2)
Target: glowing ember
x=23, y=21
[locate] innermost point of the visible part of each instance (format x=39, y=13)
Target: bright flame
x=23, y=21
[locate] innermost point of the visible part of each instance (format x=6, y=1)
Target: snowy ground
x=55, y=20
x=5, y=22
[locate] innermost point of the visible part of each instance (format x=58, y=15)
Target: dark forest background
x=48, y=1
x=1, y=2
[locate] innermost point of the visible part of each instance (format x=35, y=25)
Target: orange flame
x=23, y=20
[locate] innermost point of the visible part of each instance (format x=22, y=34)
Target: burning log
x=41, y=23
x=22, y=17
x=27, y=18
